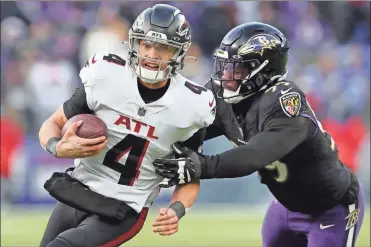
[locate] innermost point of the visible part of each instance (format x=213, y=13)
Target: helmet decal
x=250, y=58
x=138, y=23
x=258, y=44
x=184, y=30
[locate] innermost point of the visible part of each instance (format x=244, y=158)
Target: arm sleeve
x=280, y=137
x=213, y=131
x=77, y=104
x=195, y=141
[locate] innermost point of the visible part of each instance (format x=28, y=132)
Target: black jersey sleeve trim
x=195, y=141
x=77, y=104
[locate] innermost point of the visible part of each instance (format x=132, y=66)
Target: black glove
x=182, y=170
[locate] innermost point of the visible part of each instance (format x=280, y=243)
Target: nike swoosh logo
x=211, y=103
x=325, y=227
x=93, y=60
x=241, y=141
x=285, y=91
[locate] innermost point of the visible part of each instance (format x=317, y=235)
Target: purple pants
x=336, y=227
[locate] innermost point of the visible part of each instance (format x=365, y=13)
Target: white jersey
x=138, y=133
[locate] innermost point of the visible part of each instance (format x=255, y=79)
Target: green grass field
x=198, y=228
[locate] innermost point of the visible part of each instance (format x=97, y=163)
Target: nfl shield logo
x=141, y=111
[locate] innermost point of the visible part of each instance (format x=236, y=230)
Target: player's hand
x=182, y=170
x=166, y=223
x=71, y=146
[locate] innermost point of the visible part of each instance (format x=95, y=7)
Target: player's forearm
x=260, y=151
x=48, y=130
x=51, y=127
x=186, y=193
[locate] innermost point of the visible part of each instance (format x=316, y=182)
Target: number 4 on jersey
x=194, y=88
x=136, y=148
x=112, y=58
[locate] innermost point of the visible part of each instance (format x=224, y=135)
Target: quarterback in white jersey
x=147, y=107
x=112, y=94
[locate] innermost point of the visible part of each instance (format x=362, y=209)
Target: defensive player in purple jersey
x=319, y=202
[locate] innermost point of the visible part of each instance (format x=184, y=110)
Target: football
x=91, y=127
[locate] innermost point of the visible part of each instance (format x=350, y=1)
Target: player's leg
x=62, y=218
x=339, y=226
x=95, y=231
x=276, y=232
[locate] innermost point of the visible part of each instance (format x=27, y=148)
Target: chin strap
x=150, y=76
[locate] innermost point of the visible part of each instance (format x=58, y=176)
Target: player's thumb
x=180, y=150
x=163, y=211
x=73, y=128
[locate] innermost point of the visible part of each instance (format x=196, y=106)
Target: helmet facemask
x=162, y=69
x=238, y=79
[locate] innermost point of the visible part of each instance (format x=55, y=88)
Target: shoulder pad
x=204, y=101
x=280, y=87
x=91, y=66
x=210, y=109
x=283, y=97
x=101, y=64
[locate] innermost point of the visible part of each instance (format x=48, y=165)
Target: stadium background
x=43, y=45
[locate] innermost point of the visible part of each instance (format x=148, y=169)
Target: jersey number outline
x=282, y=171
x=281, y=168
x=328, y=135
x=112, y=58
x=274, y=87
x=135, y=147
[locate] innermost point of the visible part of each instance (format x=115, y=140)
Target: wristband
x=178, y=208
x=51, y=145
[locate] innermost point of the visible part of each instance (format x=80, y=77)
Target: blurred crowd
x=44, y=44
